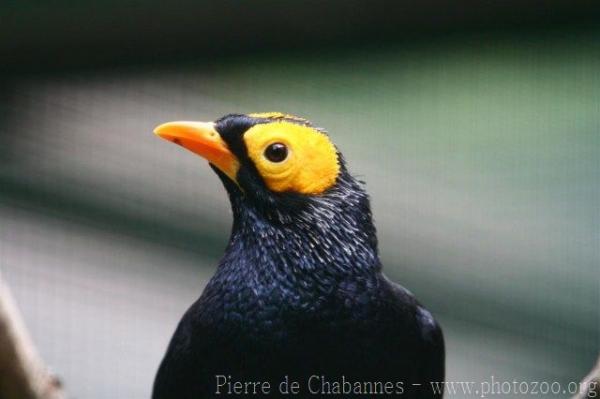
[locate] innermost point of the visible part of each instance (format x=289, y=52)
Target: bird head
x=281, y=172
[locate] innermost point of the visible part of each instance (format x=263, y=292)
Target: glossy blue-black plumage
x=300, y=292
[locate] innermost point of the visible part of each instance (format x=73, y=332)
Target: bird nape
x=298, y=304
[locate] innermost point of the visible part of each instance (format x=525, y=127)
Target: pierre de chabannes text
x=321, y=385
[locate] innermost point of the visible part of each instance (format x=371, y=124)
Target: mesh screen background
x=481, y=158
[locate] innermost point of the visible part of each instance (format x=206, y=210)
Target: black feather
x=300, y=292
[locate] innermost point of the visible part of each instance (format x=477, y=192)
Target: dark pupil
x=276, y=152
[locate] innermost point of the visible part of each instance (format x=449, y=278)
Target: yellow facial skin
x=311, y=166
x=276, y=115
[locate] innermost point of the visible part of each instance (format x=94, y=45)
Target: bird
x=299, y=304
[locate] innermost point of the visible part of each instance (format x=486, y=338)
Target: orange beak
x=202, y=139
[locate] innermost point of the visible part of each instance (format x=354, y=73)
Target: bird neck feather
x=328, y=239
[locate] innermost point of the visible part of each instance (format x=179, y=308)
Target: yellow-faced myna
x=298, y=306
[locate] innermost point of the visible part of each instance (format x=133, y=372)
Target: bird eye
x=276, y=152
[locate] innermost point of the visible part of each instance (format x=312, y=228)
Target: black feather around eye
x=276, y=152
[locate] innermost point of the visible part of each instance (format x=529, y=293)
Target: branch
x=22, y=372
x=591, y=384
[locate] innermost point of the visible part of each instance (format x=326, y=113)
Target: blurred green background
x=475, y=125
